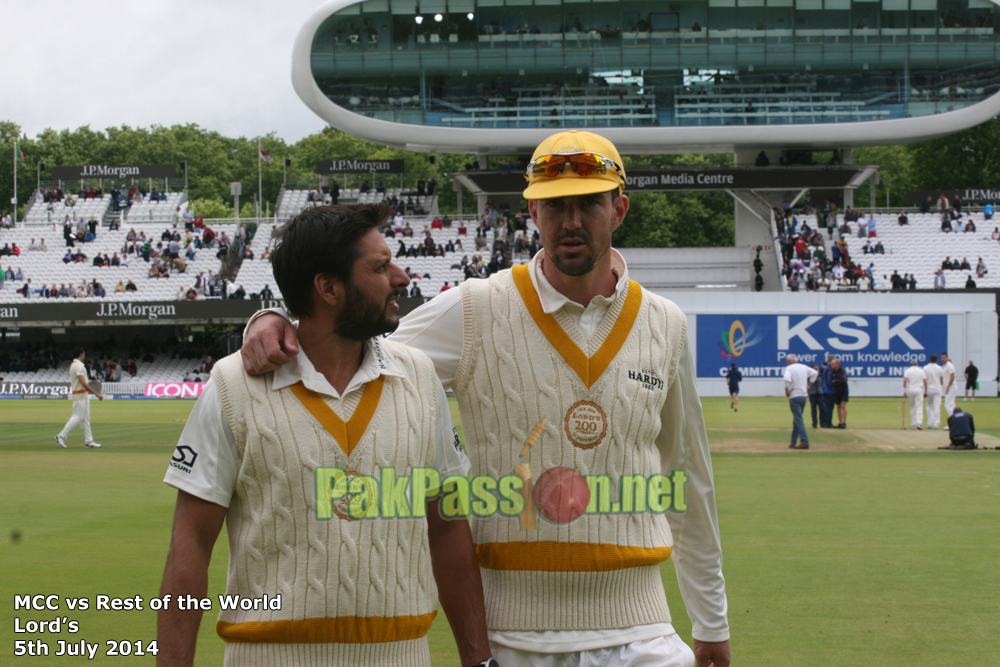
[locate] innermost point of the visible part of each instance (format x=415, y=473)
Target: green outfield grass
x=832, y=558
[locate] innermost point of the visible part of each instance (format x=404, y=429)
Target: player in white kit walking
x=950, y=387
x=80, y=389
x=914, y=387
x=935, y=386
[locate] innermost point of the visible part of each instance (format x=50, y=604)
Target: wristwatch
x=487, y=663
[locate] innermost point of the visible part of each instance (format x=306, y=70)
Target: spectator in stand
x=912, y=282
x=939, y=280
x=981, y=269
x=266, y=293
x=964, y=266
x=969, y=282
x=130, y=286
x=902, y=219
x=879, y=249
x=871, y=226
x=945, y=224
x=6, y=222
x=970, y=226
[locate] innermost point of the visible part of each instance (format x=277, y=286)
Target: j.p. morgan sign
x=42, y=312
x=360, y=167
x=115, y=171
x=39, y=389
x=132, y=312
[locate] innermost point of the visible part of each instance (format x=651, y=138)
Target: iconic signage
x=114, y=171
x=868, y=346
x=175, y=389
x=359, y=166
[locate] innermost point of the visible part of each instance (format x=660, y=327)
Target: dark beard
x=364, y=318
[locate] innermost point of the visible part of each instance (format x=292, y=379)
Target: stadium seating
x=163, y=368
x=47, y=268
x=39, y=213
x=293, y=202
x=147, y=211
x=255, y=274
x=920, y=247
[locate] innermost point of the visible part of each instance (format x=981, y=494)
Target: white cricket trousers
x=81, y=418
x=915, y=398
x=669, y=651
x=934, y=409
x=949, y=398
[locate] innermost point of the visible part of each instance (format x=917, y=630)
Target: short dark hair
x=323, y=240
x=933, y=358
x=77, y=351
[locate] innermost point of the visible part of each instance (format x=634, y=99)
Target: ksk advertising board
x=868, y=346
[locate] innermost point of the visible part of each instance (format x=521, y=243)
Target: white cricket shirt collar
x=375, y=361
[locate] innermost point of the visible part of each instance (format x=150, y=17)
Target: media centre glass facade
x=556, y=63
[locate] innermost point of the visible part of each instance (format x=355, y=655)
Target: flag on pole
x=19, y=152
x=264, y=156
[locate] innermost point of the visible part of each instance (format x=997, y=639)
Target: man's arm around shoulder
x=269, y=341
x=197, y=524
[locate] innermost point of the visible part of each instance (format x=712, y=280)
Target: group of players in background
x=933, y=382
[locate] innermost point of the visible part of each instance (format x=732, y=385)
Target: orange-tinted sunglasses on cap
x=584, y=164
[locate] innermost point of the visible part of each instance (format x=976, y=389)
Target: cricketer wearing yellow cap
x=582, y=383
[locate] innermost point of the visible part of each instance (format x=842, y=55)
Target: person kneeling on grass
x=961, y=430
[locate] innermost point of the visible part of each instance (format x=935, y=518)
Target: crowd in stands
x=109, y=361
x=814, y=261
x=479, y=259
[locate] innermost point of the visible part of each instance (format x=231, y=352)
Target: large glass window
x=598, y=63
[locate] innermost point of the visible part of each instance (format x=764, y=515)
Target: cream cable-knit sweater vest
x=601, y=401
x=353, y=592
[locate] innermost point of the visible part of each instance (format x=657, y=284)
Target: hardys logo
x=737, y=339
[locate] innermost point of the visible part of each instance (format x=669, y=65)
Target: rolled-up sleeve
x=697, y=555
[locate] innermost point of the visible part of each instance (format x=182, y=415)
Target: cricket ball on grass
x=561, y=494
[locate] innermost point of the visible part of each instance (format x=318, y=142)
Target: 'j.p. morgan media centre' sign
x=114, y=171
x=359, y=167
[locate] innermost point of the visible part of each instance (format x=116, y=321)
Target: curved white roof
x=638, y=140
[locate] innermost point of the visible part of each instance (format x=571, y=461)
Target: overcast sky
x=223, y=64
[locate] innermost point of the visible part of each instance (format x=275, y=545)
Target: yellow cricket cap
x=568, y=183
